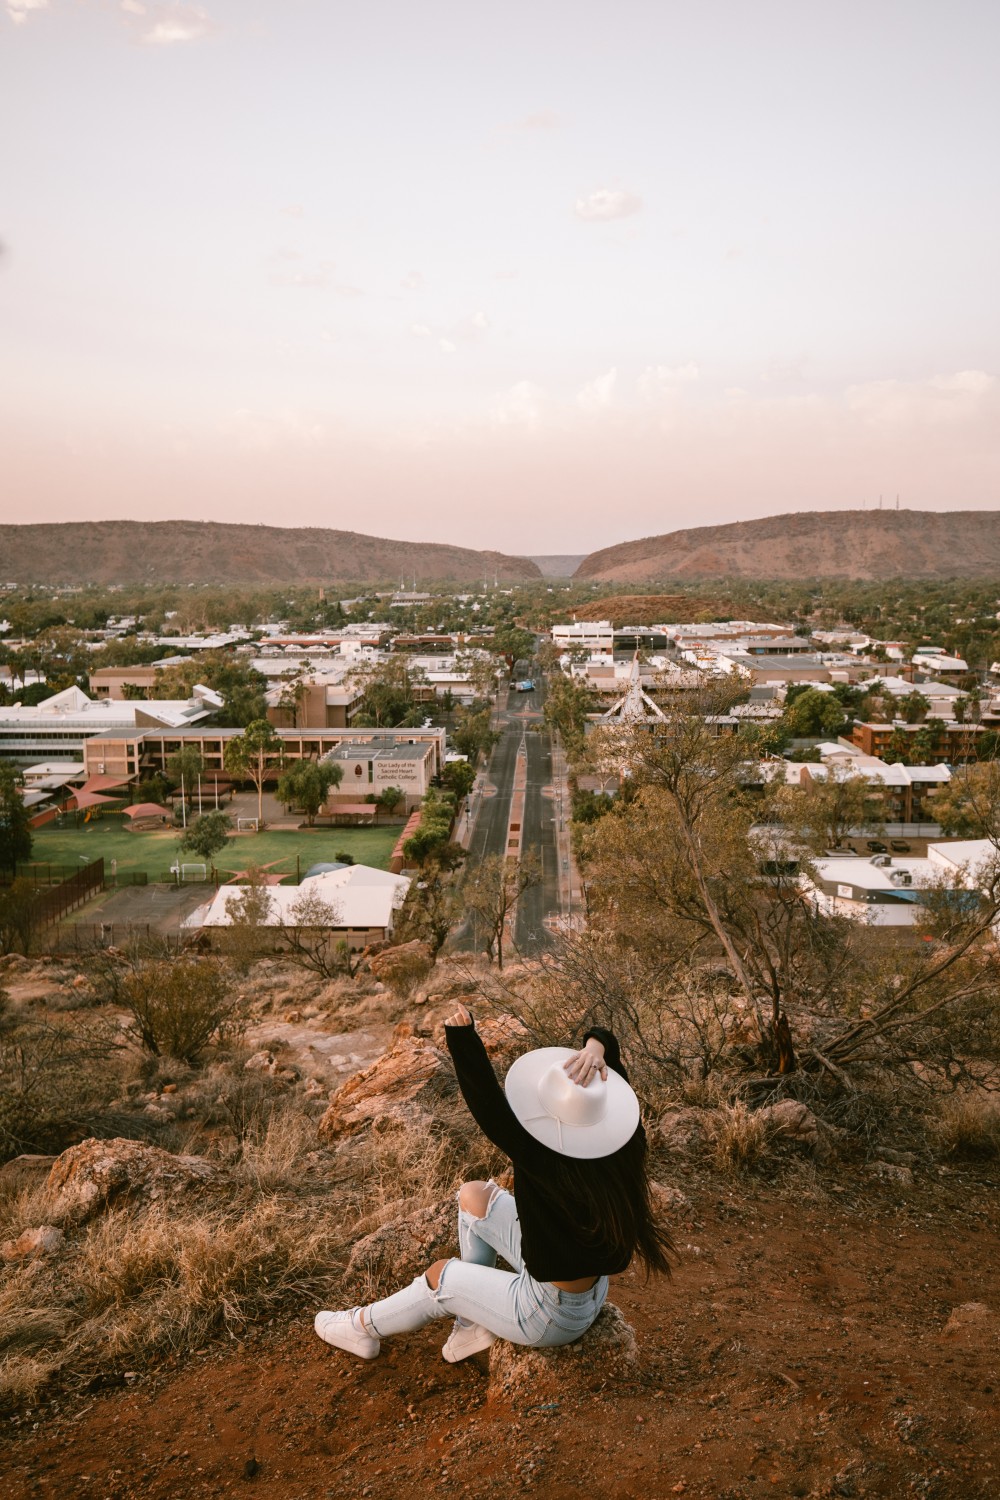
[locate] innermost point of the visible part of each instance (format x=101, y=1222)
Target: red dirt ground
x=800, y=1350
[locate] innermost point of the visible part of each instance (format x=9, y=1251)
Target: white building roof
x=360, y=895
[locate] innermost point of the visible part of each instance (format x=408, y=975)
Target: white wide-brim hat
x=583, y=1121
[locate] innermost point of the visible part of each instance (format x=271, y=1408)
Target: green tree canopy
x=305, y=784
x=207, y=834
x=15, y=827
x=252, y=756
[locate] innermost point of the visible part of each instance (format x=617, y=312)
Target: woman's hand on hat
x=462, y=1017
x=586, y=1064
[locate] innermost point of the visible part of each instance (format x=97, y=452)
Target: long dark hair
x=609, y=1200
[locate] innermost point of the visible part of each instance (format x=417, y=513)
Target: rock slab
x=91, y=1176
x=606, y=1355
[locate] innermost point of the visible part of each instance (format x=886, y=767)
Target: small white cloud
x=942, y=400
x=18, y=9
x=597, y=395
x=179, y=23
x=412, y=281
x=480, y=321
x=294, y=211
x=506, y=275
x=659, y=381
x=420, y=330
x=521, y=406
x=446, y=346
x=607, y=203
x=133, y=7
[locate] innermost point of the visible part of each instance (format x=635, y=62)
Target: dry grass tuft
x=968, y=1125
x=139, y=1284
x=741, y=1140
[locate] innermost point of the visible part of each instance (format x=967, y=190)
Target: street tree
x=492, y=892
x=252, y=756
x=825, y=810
x=474, y=734
x=567, y=704
x=813, y=713
x=306, y=783
x=15, y=823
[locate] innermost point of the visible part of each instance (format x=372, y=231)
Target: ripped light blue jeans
x=511, y=1304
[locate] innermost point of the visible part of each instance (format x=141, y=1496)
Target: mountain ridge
x=860, y=544
x=217, y=552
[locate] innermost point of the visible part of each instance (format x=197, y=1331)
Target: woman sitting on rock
x=579, y=1212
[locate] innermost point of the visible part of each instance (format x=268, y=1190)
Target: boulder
x=606, y=1355
x=24, y=1172
x=260, y=1062
x=683, y=1130
x=669, y=1202
x=405, y=1086
x=32, y=1243
x=972, y=1323
x=791, y=1121
x=403, y=965
x=396, y=1252
x=890, y=1172
x=91, y=1176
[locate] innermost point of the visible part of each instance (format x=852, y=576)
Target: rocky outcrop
x=405, y=964
x=90, y=1177
x=404, y=1086
x=606, y=1355
x=32, y=1243
x=396, y=1252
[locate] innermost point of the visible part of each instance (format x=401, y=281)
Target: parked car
x=877, y=847
x=900, y=846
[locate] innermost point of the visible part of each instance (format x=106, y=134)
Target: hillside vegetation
x=857, y=544
x=207, y=552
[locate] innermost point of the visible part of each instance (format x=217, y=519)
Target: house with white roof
x=363, y=904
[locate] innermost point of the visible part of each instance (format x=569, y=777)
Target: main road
x=521, y=726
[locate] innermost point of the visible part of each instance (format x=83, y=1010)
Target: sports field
x=155, y=852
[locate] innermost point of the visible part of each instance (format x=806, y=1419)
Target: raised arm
x=486, y=1100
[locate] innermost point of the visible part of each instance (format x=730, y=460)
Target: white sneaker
x=466, y=1339
x=341, y=1330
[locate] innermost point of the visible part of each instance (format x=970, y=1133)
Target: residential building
x=363, y=904
x=949, y=743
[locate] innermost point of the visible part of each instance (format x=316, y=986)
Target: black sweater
x=553, y=1246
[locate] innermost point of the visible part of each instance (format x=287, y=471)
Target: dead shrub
x=56, y=1081
x=968, y=1125
x=741, y=1139
x=177, y=1006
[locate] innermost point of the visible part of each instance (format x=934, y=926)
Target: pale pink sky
x=541, y=277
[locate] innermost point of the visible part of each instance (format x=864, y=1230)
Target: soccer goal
x=246, y=825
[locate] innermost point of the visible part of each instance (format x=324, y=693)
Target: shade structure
x=146, y=810
x=104, y=783
x=83, y=799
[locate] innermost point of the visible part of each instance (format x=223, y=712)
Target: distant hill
x=862, y=544
x=207, y=552
x=648, y=609
x=558, y=567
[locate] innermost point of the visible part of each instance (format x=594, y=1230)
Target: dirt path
x=807, y=1346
